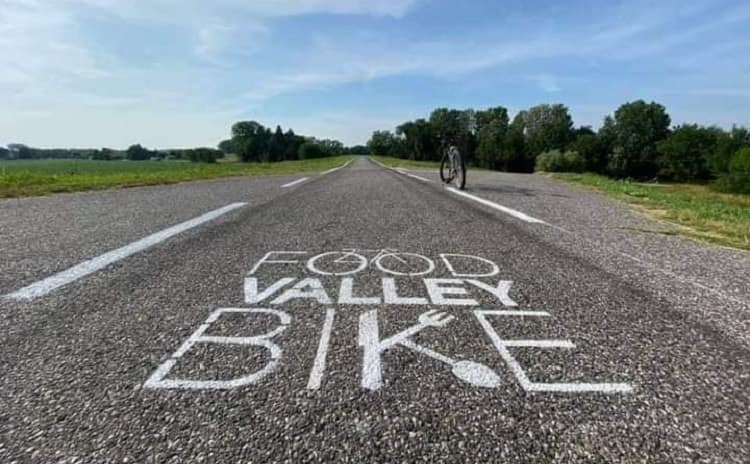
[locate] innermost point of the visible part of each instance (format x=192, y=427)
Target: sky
x=179, y=73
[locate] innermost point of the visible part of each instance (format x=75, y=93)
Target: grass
x=21, y=178
x=699, y=212
x=405, y=163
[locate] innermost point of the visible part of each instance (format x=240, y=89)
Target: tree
x=228, y=146
x=727, y=144
x=685, y=153
x=310, y=150
x=418, y=139
x=358, y=150
x=4, y=153
x=638, y=128
x=331, y=147
x=293, y=142
x=590, y=149
x=251, y=140
x=492, y=137
x=383, y=143
x=518, y=158
x=277, y=145
x=454, y=127
x=137, y=153
x=737, y=177
x=547, y=127
x=19, y=151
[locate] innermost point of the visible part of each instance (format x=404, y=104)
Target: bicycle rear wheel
x=445, y=169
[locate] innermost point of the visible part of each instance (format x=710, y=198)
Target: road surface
x=366, y=315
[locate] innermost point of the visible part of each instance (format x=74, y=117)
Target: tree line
x=253, y=142
x=250, y=141
x=636, y=142
x=134, y=152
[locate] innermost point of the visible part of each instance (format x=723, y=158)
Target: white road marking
x=336, y=169
x=320, y=358
x=416, y=177
x=503, y=345
x=400, y=171
x=157, y=378
x=504, y=209
x=85, y=268
x=298, y=181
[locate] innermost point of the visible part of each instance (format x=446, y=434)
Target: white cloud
x=547, y=82
x=179, y=10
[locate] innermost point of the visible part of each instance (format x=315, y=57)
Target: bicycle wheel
x=460, y=171
x=445, y=169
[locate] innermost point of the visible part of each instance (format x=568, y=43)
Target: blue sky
x=174, y=73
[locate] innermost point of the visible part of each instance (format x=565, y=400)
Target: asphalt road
x=365, y=315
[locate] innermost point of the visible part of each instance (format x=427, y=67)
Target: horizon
x=105, y=73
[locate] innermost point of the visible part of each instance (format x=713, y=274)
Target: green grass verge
x=405, y=163
x=21, y=178
x=699, y=212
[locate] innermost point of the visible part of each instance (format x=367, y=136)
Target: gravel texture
x=74, y=363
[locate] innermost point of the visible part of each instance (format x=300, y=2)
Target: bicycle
x=453, y=167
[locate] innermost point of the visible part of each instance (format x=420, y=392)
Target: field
x=699, y=212
x=20, y=178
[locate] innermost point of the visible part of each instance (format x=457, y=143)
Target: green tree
x=138, y=153
x=547, y=127
x=227, y=147
x=383, y=143
x=251, y=140
x=685, y=153
x=277, y=145
x=492, y=139
x=737, y=177
x=331, y=147
x=418, y=140
x=20, y=151
x=727, y=144
x=518, y=159
x=358, y=150
x=589, y=148
x=638, y=128
x=310, y=150
x=292, y=143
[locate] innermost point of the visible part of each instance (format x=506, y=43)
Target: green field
x=20, y=178
x=699, y=212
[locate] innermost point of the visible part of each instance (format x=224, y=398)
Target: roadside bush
x=684, y=154
x=311, y=150
x=202, y=155
x=737, y=179
x=557, y=161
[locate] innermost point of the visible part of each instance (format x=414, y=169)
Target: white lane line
x=417, y=177
x=85, y=268
x=295, y=182
x=336, y=169
x=400, y=171
x=381, y=164
x=504, y=209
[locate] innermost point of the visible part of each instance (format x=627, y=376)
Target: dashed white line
x=504, y=209
x=298, y=181
x=85, y=268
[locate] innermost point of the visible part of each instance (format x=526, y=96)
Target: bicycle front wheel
x=459, y=171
